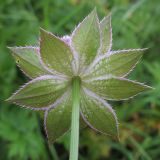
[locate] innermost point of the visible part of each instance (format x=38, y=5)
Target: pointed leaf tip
x=106, y=35
x=39, y=93
x=94, y=11
x=118, y=63
x=99, y=115
x=8, y=99
x=115, y=88
x=86, y=39
x=43, y=31
x=28, y=60
x=55, y=53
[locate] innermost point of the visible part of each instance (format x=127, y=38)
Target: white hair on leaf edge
x=59, y=101
x=122, y=79
x=127, y=50
x=101, y=100
x=41, y=78
x=13, y=50
x=110, y=31
x=54, y=72
x=90, y=69
x=78, y=59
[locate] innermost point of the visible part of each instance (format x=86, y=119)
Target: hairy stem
x=75, y=119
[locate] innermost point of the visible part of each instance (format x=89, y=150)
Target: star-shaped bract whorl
x=86, y=54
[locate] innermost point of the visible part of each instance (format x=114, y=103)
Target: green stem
x=75, y=119
x=53, y=152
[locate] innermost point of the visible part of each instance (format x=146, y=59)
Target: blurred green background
x=136, y=24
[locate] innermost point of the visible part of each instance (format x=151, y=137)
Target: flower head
x=85, y=54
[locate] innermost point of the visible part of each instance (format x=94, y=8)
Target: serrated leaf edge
x=110, y=30
x=99, y=55
x=90, y=69
x=101, y=100
x=26, y=47
x=41, y=78
x=59, y=101
x=127, y=50
x=121, y=78
x=76, y=54
x=54, y=72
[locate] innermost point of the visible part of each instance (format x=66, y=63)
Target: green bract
x=86, y=54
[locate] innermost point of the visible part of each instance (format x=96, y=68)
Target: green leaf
x=58, y=120
x=99, y=115
x=55, y=53
x=106, y=34
x=40, y=92
x=119, y=63
x=86, y=39
x=113, y=88
x=27, y=58
x=81, y=121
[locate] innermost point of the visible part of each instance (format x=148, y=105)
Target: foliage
x=20, y=134
x=135, y=25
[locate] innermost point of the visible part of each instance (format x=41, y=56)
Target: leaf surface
x=58, y=120
x=119, y=63
x=116, y=88
x=40, y=92
x=86, y=39
x=99, y=116
x=55, y=53
x=106, y=34
x=27, y=58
